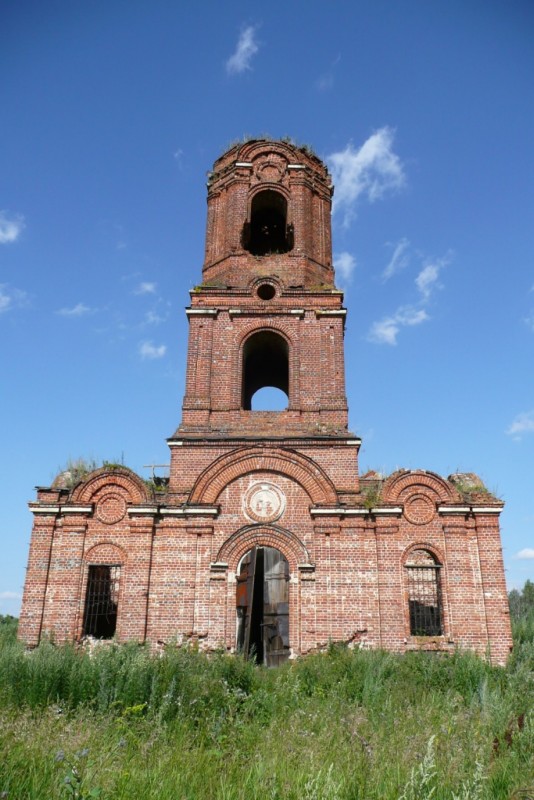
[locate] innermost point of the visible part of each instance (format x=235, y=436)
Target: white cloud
x=399, y=260
x=426, y=280
x=523, y=423
x=530, y=321
x=326, y=81
x=385, y=331
x=146, y=287
x=11, y=297
x=76, y=311
x=246, y=48
x=153, y=318
x=344, y=265
x=527, y=552
x=5, y=300
x=369, y=171
x=10, y=228
x=10, y=595
x=149, y=350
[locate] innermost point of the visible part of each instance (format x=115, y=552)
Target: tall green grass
x=341, y=725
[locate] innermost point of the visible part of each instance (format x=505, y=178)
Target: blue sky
x=113, y=112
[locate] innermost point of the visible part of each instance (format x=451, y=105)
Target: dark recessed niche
x=266, y=291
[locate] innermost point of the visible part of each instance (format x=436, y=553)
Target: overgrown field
x=337, y=726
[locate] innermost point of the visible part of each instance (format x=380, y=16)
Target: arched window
x=424, y=594
x=101, y=601
x=265, y=363
x=267, y=231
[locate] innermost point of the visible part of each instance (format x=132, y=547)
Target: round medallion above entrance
x=264, y=502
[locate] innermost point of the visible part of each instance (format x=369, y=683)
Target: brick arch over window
x=299, y=468
x=401, y=484
x=105, y=553
x=267, y=186
x=436, y=554
x=104, y=477
x=251, y=536
x=258, y=326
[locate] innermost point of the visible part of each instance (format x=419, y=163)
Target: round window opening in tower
x=266, y=291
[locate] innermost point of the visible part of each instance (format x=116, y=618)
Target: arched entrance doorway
x=262, y=603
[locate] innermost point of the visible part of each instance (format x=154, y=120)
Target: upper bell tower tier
x=267, y=314
x=269, y=213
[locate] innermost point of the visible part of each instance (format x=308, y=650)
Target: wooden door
x=262, y=603
x=275, y=607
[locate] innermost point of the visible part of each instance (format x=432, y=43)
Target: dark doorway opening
x=262, y=601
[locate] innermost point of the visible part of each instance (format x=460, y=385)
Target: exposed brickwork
x=347, y=540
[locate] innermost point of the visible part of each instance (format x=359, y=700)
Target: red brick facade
x=408, y=562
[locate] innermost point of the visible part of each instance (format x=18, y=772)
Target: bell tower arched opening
x=268, y=231
x=262, y=606
x=265, y=364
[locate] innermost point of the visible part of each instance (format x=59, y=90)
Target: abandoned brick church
x=265, y=538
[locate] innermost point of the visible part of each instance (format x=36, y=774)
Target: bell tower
x=267, y=313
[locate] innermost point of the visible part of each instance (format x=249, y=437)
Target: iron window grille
x=424, y=595
x=101, y=601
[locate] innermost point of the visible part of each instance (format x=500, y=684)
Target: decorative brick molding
x=403, y=484
x=117, y=477
x=422, y=545
x=251, y=536
x=105, y=553
x=249, y=460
